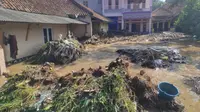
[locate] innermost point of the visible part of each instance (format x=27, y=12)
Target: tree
x=157, y=4
x=188, y=21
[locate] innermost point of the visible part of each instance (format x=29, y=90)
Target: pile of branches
x=59, y=52
x=194, y=83
x=154, y=57
x=109, y=89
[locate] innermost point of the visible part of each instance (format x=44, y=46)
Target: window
x=109, y=4
x=130, y=2
x=99, y=1
x=116, y=4
x=136, y=6
x=85, y=3
x=143, y=4
x=47, y=32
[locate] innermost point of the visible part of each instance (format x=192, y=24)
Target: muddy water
x=102, y=55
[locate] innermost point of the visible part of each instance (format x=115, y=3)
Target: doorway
x=134, y=27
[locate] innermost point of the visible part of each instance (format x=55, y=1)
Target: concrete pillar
x=141, y=26
x=163, y=26
x=157, y=25
x=150, y=24
x=103, y=7
x=169, y=25
x=130, y=27
x=2, y=61
x=122, y=25
x=147, y=26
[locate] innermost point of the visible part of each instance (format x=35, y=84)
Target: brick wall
x=2, y=61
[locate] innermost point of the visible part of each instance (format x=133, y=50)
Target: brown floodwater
x=102, y=55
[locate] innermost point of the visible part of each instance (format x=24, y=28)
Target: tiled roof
x=49, y=7
x=8, y=15
x=167, y=11
x=96, y=15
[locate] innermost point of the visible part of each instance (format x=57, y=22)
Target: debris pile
x=154, y=57
x=94, y=90
x=167, y=36
x=146, y=95
x=58, y=52
x=155, y=37
x=194, y=83
x=94, y=40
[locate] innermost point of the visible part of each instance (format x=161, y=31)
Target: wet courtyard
x=102, y=55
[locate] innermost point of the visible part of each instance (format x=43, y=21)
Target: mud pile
x=147, y=95
x=154, y=57
x=95, y=90
x=58, y=52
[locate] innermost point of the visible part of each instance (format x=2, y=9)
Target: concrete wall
x=80, y=29
x=96, y=5
x=2, y=61
x=35, y=37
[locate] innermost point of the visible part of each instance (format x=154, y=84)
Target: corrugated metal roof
x=19, y=16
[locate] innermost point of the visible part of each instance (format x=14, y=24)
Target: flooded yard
x=102, y=55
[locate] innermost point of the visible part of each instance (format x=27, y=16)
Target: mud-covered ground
x=103, y=54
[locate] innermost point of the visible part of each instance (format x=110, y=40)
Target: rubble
x=194, y=83
x=154, y=37
x=58, y=52
x=153, y=57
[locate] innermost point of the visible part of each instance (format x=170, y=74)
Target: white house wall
x=35, y=37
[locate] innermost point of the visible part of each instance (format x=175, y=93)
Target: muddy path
x=102, y=55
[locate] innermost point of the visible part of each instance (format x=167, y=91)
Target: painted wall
x=2, y=61
x=96, y=5
x=123, y=7
x=80, y=30
x=35, y=37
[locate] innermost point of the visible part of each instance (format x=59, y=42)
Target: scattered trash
x=58, y=52
x=154, y=57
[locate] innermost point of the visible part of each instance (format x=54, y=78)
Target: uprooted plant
x=59, y=52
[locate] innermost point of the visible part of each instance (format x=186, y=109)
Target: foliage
x=16, y=95
x=157, y=4
x=188, y=21
x=113, y=96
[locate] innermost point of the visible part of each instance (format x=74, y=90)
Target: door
x=134, y=27
x=47, y=32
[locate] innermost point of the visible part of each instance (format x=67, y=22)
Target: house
x=28, y=24
x=164, y=17
x=131, y=15
x=99, y=22
x=95, y=5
